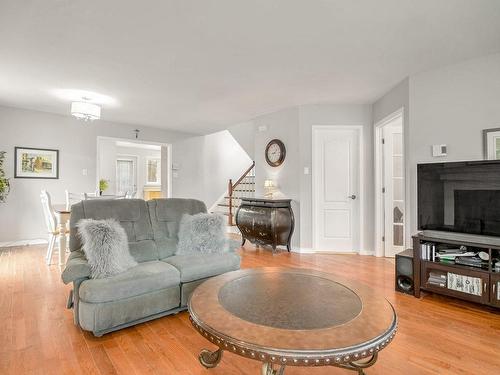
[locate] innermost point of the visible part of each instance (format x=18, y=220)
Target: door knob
x=352, y=197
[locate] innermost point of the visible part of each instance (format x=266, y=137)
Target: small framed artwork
x=36, y=163
x=491, y=143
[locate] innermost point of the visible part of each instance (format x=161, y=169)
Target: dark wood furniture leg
x=268, y=369
x=210, y=359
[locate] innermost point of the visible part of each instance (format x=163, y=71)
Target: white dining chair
x=72, y=198
x=130, y=194
x=51, y=223
x=90, y=195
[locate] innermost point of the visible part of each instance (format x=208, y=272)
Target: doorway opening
x=132, y=168
x=337, y=196
x=390, y=183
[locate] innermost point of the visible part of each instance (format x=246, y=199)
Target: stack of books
x=450, y=255
x=473, y=261
x=437, y=279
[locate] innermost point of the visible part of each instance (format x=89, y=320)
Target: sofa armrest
x=76, y=267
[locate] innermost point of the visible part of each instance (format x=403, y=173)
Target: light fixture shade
x=86, y=111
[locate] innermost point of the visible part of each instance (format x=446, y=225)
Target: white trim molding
x=378, y=244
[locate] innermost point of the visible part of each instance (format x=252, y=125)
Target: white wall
x=21, y=217
x=244, y=134
x=106, y=158
x=283, y=125
x=206, y=163
x=452, y=106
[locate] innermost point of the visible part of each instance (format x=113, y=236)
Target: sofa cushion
x=200, y=266
x=144, y=278
x=105, y=246
x=202, y=233
x=132, y=214
x=165, y=215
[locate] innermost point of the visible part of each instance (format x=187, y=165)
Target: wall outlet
x=439, y=150
x=84, y=172
x=306, y=170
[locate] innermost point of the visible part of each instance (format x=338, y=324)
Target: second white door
x=336, y=187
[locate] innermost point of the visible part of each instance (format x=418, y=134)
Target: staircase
x=243, y=188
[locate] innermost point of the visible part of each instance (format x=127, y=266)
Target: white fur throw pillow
x=202, y=233
x=105, y=245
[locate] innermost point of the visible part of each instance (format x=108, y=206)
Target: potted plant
x=4, y=182
x=103, y=185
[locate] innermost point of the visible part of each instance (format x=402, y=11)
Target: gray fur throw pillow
x=105, y=245
x=202, y=233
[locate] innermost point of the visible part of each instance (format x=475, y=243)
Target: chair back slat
x=48, y=211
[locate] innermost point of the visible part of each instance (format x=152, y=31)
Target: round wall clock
x=275, y=153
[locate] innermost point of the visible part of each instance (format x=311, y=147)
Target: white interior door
x=393, y=187
x=336, y=188
x=126, y=180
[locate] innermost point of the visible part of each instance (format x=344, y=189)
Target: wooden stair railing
x=230, y=191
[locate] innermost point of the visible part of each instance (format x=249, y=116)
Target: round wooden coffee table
x=291, y=317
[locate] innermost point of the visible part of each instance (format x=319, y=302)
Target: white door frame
x=361, y=179
x=379, y=197
x=165, y=170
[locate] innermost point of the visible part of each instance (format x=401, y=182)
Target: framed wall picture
x=36, y=163
x=491, y=143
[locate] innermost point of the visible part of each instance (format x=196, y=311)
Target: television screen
x=460, y=197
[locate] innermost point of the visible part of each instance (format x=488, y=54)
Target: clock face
x=275, y=153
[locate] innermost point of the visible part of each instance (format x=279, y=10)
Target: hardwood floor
x=436, y=335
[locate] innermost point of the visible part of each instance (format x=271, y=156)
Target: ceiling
x=200, y=66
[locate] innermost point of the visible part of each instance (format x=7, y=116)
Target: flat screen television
x=459, y=197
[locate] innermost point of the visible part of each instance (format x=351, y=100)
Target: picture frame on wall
x=36, y=163
x=491, y=143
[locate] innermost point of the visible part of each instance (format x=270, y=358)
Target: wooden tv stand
x=482, y=285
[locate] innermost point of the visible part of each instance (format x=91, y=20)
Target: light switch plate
x=306, y=170
x=439, y=150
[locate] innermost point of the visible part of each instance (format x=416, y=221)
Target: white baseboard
x=308, y=250
x=366, y=252
x=302, y=250
x=38, y=241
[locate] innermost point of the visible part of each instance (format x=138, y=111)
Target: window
x=125, y=176
x=153, y=175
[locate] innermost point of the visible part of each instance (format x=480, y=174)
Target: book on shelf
x=472, y=262
x=455, y=254
x=437, y=275
x=428, y=251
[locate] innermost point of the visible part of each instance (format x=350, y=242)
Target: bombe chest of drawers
x=266, y=221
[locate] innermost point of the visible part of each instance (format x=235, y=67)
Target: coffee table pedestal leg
x=268, y=369
x=210, y=359
x=359, y=366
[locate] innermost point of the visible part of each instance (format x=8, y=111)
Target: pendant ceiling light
x=85, y=110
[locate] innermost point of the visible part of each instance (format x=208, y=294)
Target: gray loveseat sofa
x=162, y=282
